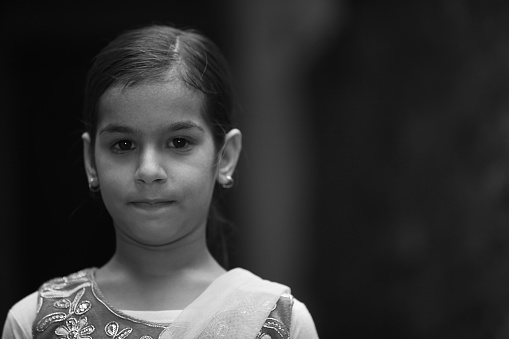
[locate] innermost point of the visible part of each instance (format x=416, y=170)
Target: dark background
x=374, y=179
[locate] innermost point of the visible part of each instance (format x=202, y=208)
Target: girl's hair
x=146, y=55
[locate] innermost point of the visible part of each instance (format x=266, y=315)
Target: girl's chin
x=160, y=235
x=150, y=242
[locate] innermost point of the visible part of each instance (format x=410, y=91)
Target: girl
x=159, y=139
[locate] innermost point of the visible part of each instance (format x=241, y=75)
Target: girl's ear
x=88, y=157
x=229, y=156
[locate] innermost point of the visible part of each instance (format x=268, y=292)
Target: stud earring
x=92, y=186
x=229, y=182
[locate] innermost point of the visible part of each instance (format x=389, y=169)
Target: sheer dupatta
x=235, y=305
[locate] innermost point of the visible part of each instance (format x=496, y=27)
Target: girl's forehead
x=170, y=84
x=171, y=99
x=171, y=89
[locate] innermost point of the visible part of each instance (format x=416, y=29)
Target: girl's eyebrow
x=182, y=125
x=173, y=127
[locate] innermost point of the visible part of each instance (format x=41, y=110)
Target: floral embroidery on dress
x=277, y=324
x=76, y=307
x=75, y=329
x=55, y=288
x=111, y=330
x=65, y=311
x=49, y=319
x=272, y=329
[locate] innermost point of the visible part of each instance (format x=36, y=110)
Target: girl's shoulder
x=302, y=323
x=20, y=318
x=23, y=313
x=288, y=315
x=66, y=285
x=28, y=305
x=70, y=279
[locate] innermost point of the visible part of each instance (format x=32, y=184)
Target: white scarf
x=235, y=305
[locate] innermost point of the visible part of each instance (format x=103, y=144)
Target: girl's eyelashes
x=123, y=146
x=179, y=144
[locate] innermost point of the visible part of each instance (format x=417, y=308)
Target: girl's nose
x=150, y=169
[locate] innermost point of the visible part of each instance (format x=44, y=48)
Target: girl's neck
x=170, y=277
x=189, y=254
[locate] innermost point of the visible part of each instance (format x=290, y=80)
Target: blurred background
x=375, y=174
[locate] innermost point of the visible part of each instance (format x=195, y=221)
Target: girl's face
x=155, y=161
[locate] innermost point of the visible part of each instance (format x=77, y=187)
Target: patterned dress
x=237, y=305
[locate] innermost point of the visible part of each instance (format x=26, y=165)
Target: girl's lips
x=152, y=204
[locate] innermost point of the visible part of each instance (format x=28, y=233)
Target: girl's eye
x=123, y=145
x=179, y=142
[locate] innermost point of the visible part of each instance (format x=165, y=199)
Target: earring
x=92, y=187
x=229, y=182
